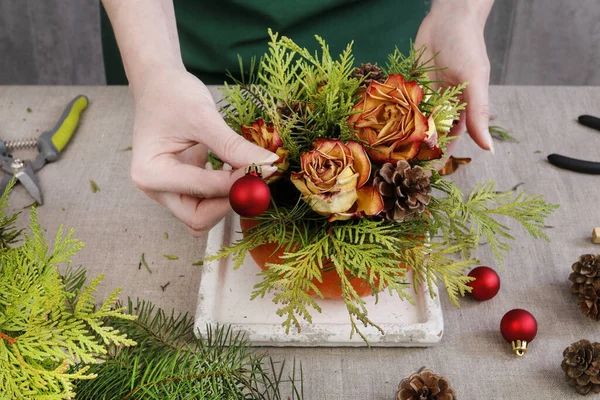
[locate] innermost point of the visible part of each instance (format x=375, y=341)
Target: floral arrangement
x=357, y=194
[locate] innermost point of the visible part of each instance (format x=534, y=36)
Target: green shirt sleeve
x=212, y=34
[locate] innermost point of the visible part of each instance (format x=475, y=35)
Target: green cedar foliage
x=48, y=321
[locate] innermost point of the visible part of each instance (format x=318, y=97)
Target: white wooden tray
x=224, y=298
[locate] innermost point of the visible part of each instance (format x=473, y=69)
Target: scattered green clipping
x=128, y=148
x=170, y=257
x=94, y=186
x=198, y=263
x=501, y=134
x=144, y=263
x=166, y=235
x=28, y=109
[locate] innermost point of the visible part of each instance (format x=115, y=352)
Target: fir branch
x=171, y=362
x=413, y=67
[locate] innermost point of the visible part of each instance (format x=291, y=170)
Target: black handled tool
x=574, y=164
x=589, y=121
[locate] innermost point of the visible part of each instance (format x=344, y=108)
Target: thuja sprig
x=48, y=322
x=466, y=222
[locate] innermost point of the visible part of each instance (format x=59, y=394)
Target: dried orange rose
x=264, y=135
x=390, y=123
x=332, y=180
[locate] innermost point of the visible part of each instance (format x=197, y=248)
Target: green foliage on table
x=169, y=362
x=48, y=321
x=57, y=343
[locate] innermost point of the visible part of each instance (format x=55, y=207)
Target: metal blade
x=29, y=181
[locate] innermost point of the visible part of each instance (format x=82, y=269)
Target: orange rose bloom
x=390, y=122
x=264, y=135
x=332, y=180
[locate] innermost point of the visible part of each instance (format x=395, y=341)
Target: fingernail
x=269, y=160
x=268, y=170
x=489, y=141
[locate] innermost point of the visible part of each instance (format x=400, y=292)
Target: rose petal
x=297, y=179
x=369, y=200
x=331, y=203
x=362, y=165
x=425, y=153
x=432, y=136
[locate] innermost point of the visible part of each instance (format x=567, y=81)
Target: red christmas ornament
x=250, y=195
x=519, y=328
x=486, y=284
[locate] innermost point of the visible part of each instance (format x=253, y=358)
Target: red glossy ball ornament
x=486, y=284
x=519, y=328
x=250, y=195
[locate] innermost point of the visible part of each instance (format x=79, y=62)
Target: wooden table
x=119, y=223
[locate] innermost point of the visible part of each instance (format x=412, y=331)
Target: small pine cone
x=581, y=365
x=425, y=385
x=405, y=190
x=586, y=271
x=589, y=301
x=370, y=72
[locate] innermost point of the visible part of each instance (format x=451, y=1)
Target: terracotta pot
x=330, y=288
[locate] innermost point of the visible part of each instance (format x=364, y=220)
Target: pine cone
x=370, y=72
x=586, y=271
x=589, y=300
x=581, y=365
x=405, y=190
x=425, y=385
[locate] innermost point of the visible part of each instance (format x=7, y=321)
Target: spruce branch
x=414, y=66
x=170, y=362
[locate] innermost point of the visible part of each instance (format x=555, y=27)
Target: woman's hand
x=454, y=30
x=176, y=121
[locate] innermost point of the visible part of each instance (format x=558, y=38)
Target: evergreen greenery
x=47, y=321
x=57, y=343
x=309, y=96
x=169, y=362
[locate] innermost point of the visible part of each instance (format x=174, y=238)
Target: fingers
x=228, y=145
x=166, y=173
x=476, y=96
x=198, y=215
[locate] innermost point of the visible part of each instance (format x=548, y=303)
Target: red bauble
x=518, y=327
x=486, y=284
x=250, y=195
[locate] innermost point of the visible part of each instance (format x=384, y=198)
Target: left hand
x=454, y=30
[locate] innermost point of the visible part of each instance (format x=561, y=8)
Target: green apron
x=213, y=33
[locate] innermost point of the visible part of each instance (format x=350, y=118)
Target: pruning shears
x=50, y=144
x=574, y=164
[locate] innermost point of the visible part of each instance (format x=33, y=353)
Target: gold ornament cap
x=253, y=169
x=519, y=347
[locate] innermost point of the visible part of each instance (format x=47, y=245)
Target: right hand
x=176, y=121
